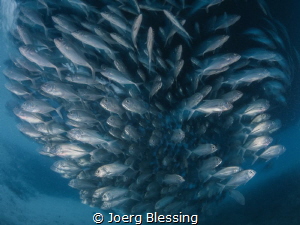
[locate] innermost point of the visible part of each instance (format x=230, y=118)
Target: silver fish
x=113, y=194
x=211, y=44
x=60, y=90
x=135, y=105
x=111, y=170
x=27, y=116
x=82, y=116
x=112, y=105
x=210, y=163
x=241, y=178
x=214, y=106
x=178, y=26
x=163, y=202
x=34, y=17
x=227, y=172
x=114, y=203
x=71, y=53
x=82, y=184
x=91, y=39
x=28, y=130
x=88, y=136
x=232, y=96
x=150, y=42
x=116, y=76
x=69, y=151
x=32, y=55
x=173, y=179
x=115, y=21
x=135, y=28
x=203, y=149
x=39, y=106
x=270, y=153
x=17, y=89
x=255, y=144
x=177, y=136
x=115, y=121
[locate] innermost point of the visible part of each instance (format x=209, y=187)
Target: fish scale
x=174, y=145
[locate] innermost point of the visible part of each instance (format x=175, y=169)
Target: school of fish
x=151, y=105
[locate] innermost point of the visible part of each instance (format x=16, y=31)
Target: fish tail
x=33, y=81
x=237, y=196
x=134, y=196
x=255, y=158
x=131, y=166
x=207, y=178
x=49, y=10
x=243, y=151
x=112, y=54
x=191, y=114
x=245, y=138
x=58, y=70
x=48, y=122
x=46, y=32
x=93, y=73
x=207, y=9
x=222, y=186
x=137, y=86
x=149, y=70
x=101, y=127
x=59, y=112
x=189, y=152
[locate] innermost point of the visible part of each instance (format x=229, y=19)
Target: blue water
x=31, y=193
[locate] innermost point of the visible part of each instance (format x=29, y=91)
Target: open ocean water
x=32, y=194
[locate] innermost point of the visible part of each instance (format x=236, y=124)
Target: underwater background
x=31, y=193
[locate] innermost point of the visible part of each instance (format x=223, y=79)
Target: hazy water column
x=8, y=9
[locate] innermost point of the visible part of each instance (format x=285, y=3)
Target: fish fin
x=47, y=125
x=270, y=159
x=207, y=114
x=207, y=9
x=47, y=115
x=110, y=142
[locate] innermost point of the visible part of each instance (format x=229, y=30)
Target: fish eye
x=127, y=101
